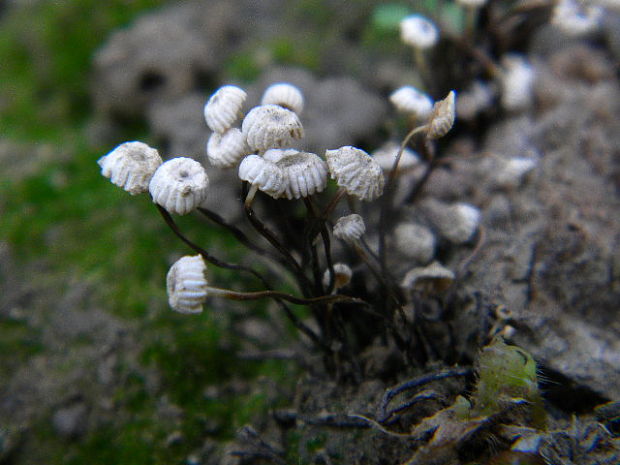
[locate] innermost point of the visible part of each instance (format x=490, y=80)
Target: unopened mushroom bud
x=284, y=94
x=304, y=174
x=187, y=285
x=224, y=108
x=411, y=101
x=356, y=172
x=442, y=117
x=131, y=166
x=225, y=150
x=349, y=228
x=418, y=32
x=415, y=242
x=342, y=275
x=271, y=126
x=262, y=175
x=179, y=185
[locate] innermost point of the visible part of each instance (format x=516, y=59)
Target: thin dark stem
x=256, y=295
x=333, y=202
x=433, y=162
x=326, y=241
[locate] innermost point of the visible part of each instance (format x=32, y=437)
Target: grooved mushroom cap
x=284, y=94
x=356, y=172
x=432, y=278
x=274, y=155
x=386, y=155
x=342, y=275
x=179, y=185
x=225, y=150
x=304, y=174
x=517, y=82
x=408, y=99
x=224, y=108
x=131, y=166
x=265, y=175
x=418, y=31
x=186, y=284
x=415, y=241
x=271, y=126
x=442, y=117
x=349, y=228
x=457, y=222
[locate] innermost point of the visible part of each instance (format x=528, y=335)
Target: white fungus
x=225, y=150
x=187, y=285
x=271, y=126
x=262, y=175
x=456, y=223
x=304, y=173
x=431, y=278
x=517, y=82
x=415, y=242
x=349, y=228
x=511, y=171
x=575, y=18
x=356, y=172
x=224, y=108
x=284, y=94
x=418, y=32
x=342, y=275
x=179, y=185
x=442, y=117
x=131, y=166
x=408, y=99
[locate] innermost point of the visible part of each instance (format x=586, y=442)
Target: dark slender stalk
x=432, y=164
x=333, y=202
x=256, y=295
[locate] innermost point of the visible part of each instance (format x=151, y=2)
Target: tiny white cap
x=225, y=150
x=224, y=108
x=349, y=228
x=408, y=99
x=263, y=174
x=356, y=172
x=131, y=166
x=271, y=126
x=284, y=94
x=187, y=285
x=418, y=31
x=179, y=185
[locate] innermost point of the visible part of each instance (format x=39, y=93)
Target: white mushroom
x=284, y=94
x=224, y=108
x=432, y=278
x=187, y=285
x=349, y=228
x=342, y=275
x=225, y=150
x=271, y=126
x=517, y=82
x=442, y=117
x=415, y=242
x=262, y=175
x=456, y=223
x=304, y=174
x=179, y=185
x=131, y=166
x=575, y=18
x=472, y=3
x=512, y=171
x=418, y=32
x=408, y=99
x=356, y=172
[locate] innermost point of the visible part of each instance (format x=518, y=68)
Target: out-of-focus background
x=95, y=368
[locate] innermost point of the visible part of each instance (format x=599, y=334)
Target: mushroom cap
x=186, y=284
x=284, y=94
x=304, y=174
x=224, y=108
x=349, y=228
x=356, y=172
x=274, y=155
x=576, y=19
x=456, y=223
x=418, y=31
x=512, y=171
x=131, y=166
x=342, y=275
x=225, y=150
x=517, y=82
x=408, y=99
x=179, y=185
x=415, y=241
x=431, y=278
x=472, y=3
x=264, y=174
x=442, y=117
x=386, y=155
x=271, y=126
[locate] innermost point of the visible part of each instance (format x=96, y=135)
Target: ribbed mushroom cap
x=408, y=99
x=349, y=228
x=342, y=275
x=456, y=222
x=304, y=174
x=386, y=155
x=418, y=31
x=179, y=185
x=131, y=166
x=263, y=174
x=187, y=285
x=284, y=94
x=274, y=155
x=356, y=172
x=224, y=108
x=415, y=241
x=432, y=278
x=442, y=117
x=271, y=126
x=225, y=150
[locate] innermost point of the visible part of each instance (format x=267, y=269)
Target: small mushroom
x=187, y=285
x=434, y=278
x=517, y=81
x=224, y=108
x=304, y=174
x=575, y=18
x=442, y=117
x=356, y=172
x=342, y=275
x=131, y=166
x=179, y=185
x=284, y=94
x=263, y=175
x=418, y=32
x=456, y=223
x=225, y=150
x=350, y=228
x=409, y=100
x=271, y=126
x=415, y=242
